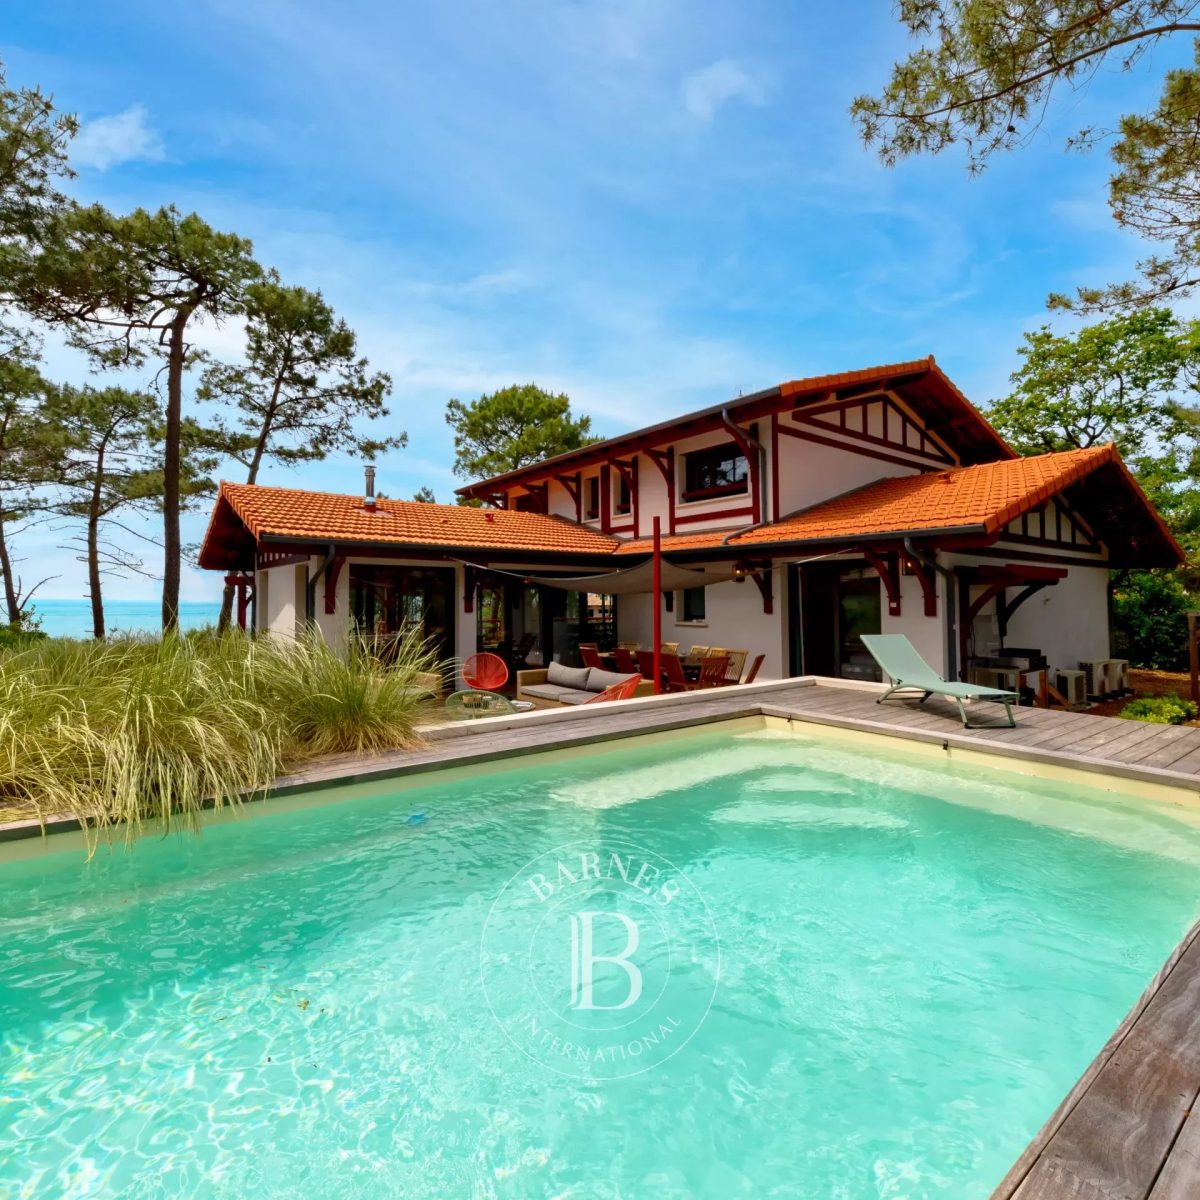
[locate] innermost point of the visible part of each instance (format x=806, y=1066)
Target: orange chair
x=750, y=674
x=619, y=691
x=485, y=672
x=590, y=653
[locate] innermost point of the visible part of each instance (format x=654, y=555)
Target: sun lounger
x=909, y=672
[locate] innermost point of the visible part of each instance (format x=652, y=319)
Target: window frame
x=719, y=452
x=686, y=618
x=622, y=497
x=591, y=498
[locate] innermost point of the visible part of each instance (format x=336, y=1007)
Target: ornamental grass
x=137, y=729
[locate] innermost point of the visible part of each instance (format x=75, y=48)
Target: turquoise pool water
x=859, y=975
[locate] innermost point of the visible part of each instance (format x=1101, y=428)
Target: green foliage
x=1159, y=710
x=1118, y=380
x=126, y=287
x=33, y=158
x=424, y=495
x=139, y=729
x=20, y=635
x=1149, y=618
x=512, y=428
x=302, y=385
x=984, y=75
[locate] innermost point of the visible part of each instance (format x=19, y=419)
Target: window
x=622, y=503
x=692, y=604
x=714, y=471
x=591, y=506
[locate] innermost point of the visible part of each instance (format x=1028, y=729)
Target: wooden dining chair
x=695, y=656
x=754, y=666
x=737, y=661
x=632, y=647
x=712, y=671
x=625, y=661
x=674, y=680
x=669, y=648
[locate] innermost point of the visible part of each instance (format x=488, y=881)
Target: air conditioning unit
x=1071, y=686
x=1118, y=676
x=1096, y=671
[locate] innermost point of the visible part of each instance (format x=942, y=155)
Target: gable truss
x=877, y=421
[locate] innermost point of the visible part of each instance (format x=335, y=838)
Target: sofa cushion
x=599, y=680
x=569, y=697
x=568, y=677
x=545, y=691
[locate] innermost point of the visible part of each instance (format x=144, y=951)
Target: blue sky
x=650, y=206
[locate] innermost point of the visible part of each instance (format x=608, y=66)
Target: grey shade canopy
x=637, y=579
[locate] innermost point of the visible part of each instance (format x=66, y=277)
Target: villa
x=793, y=521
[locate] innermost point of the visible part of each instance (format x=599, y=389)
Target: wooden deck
x=1127, y=1130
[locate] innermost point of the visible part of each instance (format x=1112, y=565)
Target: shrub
x=1150, y=620
x=138, y=728
x=1160, y=710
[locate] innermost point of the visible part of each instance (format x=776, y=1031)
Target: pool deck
x=1134, y=750
x=1127, y=1130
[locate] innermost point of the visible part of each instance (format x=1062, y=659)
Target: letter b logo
x=584, y=960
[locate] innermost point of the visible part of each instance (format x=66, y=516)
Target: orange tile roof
x=326, y=516
x=678, y=541
x=821, y=383
x=981, y=498
x=989, y=495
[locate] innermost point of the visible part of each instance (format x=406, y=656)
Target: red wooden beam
x=331, y=579
x=745, y=440
x=664, y=460
x=574, y=486
x=888, y=567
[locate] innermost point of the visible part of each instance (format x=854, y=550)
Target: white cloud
x=110, y=141
x=706, y=90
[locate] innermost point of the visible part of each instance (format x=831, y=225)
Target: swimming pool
x=726, y=963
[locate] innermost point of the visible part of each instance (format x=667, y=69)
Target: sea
x=73, y=618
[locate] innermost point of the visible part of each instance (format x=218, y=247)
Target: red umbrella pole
x=657, y=606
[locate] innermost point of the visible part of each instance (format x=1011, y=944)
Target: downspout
x=760, y=450
x=310, y=600
x=930, y=560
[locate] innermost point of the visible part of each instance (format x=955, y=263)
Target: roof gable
x=920, y=382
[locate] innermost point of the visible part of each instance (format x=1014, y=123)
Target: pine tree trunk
x=93, y=550
x=11, y=602
x=226, y=618
x=172, y=549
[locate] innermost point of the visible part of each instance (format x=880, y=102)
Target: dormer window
x=591, y=507
x=715, y=471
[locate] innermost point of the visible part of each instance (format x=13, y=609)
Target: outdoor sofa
x=570, y=685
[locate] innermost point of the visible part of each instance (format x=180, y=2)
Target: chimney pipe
x=369, y=493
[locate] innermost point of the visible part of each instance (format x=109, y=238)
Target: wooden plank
x=1180, y=1176
x=1121, y=1126
x=1163, y=749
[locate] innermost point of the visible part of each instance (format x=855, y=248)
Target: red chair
x=485, y=672
x=750, y=674
x=619, y=691
x=590, y=653
x=712, y=671
x=625, y=661
x=674, y=678
x=645, y=663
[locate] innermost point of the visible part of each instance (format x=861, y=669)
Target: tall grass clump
x=138, y=729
